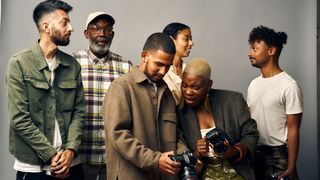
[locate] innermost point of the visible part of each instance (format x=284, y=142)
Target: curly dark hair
x=269, y=36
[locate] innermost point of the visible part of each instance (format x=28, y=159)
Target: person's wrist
x=239, y=153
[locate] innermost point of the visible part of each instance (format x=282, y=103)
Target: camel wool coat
x=140, y=123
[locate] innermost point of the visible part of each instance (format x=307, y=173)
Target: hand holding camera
x=166, y=165
x=187, y=162
x=222, y=144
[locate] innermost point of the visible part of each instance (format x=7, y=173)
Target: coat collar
x=140, y=77
x=40, y=60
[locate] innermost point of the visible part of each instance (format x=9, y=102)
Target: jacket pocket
x=38, y=91
x=68, y=84
x=66, y=94
x=38, y=83
x=169, y=125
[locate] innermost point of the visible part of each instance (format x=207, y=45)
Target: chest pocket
x=66, y=93
x=169, y=125
x=37, y=95
x=38, y=84
x=68, y=84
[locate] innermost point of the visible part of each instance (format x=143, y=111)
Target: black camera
x=187, y=161
x=217, y=137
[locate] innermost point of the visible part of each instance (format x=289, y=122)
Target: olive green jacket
x=34, y=104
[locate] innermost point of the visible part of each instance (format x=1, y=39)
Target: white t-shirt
x=270, y=100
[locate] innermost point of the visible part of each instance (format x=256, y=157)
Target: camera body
x=187, y=161
x=217, y=137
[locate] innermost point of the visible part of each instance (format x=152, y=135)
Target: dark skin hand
x=203, y=148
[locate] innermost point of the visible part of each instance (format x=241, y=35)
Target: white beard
x=97, y=49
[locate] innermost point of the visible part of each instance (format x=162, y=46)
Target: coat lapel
x=191, y=125
x=217, y=109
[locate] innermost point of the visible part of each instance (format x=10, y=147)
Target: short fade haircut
x=47, y=7
x=198, y=67
x=269, y=36
x=173, y=29
x=160, y=41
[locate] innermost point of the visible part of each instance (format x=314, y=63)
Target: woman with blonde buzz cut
x=221, y=113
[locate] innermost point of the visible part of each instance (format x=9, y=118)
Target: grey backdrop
x=220, y=30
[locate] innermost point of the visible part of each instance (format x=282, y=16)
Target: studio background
x=220, y=31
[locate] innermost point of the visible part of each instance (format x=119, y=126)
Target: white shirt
x=173, y=80
x=270, y=101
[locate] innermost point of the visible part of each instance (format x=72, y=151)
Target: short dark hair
x=160, y=41
x=173, y=29
x=49, y=6
x=269, y=36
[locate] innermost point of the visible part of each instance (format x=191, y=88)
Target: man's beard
x=58, y=39
x=98, y=49
x=149, y=75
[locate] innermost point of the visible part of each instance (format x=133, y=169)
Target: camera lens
x=219, y=147
x=188, y=173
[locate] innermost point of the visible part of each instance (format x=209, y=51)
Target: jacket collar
x=140, y=77
x=40, y=60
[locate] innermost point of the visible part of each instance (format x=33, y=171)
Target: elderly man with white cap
x=99, y=67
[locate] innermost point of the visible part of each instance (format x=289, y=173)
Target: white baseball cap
x=94, y=15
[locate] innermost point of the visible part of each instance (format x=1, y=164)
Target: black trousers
x=270, y=161
x=76, y=173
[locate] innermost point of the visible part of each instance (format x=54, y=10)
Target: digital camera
x=187, y=161
x=217, y=137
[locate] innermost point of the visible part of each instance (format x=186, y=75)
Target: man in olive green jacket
x=46, y=101
x=140, y=119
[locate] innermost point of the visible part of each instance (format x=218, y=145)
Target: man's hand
x=61, y=162
x=167, y=166
x=289, y=173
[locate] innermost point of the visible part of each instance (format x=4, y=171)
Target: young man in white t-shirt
x=275, y=102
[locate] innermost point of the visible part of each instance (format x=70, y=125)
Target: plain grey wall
x=220, y=31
